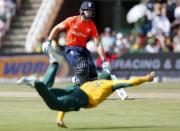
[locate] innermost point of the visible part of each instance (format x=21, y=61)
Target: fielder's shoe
x=151, y=75
x=30, y=81
x=61, y=124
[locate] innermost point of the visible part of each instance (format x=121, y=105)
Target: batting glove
x=106, y=66
x=46, y=46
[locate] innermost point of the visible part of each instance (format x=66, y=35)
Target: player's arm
x=60, y=117
x=95, y=37
x=56, y=30
x=54, y=33
x=100, y=48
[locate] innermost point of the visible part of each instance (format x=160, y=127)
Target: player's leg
x=62, y=91
x=60, y=121
x=49, y=81
x=50, y=74
x=48, y=96
x=92, y=68
x=133, y=82
x=62, y=102
x=60, y=114
x=58, y=99
x=75, y=57
x=82, y=70
x=54, y=58
x=67, y=99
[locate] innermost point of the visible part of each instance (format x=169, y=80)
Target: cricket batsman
x=79, y=29
x=72, y=98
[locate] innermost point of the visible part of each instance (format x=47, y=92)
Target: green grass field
x=29, y=113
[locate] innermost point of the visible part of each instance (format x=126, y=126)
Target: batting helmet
x=87, y=5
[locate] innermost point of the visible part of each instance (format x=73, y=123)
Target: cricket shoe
x=151, y=75
x=30, y=81
x=61, y=124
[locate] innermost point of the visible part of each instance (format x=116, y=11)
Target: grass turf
x=31, y=114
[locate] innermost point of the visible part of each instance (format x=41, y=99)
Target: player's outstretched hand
x=151, y=75
x=61, y=124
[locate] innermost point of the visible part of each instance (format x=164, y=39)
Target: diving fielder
x=72, y=98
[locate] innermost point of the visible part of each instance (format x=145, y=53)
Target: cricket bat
x=120, y=92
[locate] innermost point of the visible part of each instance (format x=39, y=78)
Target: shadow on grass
x=120, y=99
x=115, y=127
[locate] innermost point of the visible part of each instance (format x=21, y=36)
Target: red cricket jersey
x=79, y=31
